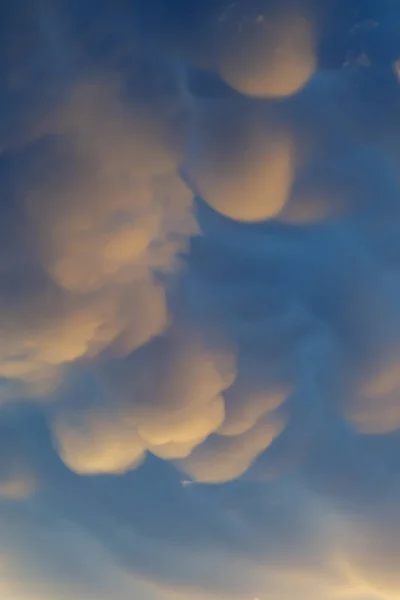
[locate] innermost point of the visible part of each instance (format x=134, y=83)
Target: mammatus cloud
x=239, y=158
x=199, y=302
x=264, y=50
x=169, y=414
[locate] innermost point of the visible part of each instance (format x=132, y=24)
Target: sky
x=199, y=300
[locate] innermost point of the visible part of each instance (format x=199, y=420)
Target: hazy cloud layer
x=199, y=300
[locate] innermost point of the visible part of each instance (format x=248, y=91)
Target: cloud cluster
x=131, y=410
x=94, y=235
x=199, y=303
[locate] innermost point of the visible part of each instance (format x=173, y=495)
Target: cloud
x=129, y=410
x=199, y=305
x=265, y=50
x=97, y=235
x=239, y=159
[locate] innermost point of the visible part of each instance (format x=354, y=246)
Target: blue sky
x=199, y=300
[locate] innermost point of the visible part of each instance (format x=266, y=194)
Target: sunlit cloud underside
x=199, y=301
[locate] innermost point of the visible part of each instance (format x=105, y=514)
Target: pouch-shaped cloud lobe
x=199, y=301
